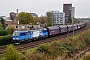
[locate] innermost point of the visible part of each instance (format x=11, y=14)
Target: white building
x=59, y=17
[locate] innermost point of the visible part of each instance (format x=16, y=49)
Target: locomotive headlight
x=13, y=38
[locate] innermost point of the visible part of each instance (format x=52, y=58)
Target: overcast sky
x=82, y=7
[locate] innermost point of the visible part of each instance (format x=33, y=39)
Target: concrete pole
x=72, y=16
x=72, y=21
x=73, y=26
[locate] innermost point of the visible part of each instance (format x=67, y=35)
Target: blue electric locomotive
x=19, y=36
x=31, y=35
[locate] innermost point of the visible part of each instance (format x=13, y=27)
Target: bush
x=10, y=30
x=11, y=53
x=87, y=38
x=5, y=39
x=44, y=48
x=37, y=56
x=87, y=57
x=63, y=48
x=69, y=47
x=0, y=26
x=58, y=49
x=3, y=32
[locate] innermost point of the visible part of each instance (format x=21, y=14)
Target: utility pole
x=72, y=20
x=73, y=26
x=52, y=21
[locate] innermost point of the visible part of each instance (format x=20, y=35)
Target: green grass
x=30, y=50
x=76, y=36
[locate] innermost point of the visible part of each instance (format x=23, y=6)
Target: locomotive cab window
x=22, y=34
x=15, y=34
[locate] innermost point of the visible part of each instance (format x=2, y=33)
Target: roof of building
x=10, y=22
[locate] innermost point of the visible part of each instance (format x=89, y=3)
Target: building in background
x=13, y=16
x=59, y=17
x=67, y=10
x=6, y=18
x=9, y=22
x=34, y=14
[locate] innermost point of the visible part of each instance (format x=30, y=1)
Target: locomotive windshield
x=15, y=34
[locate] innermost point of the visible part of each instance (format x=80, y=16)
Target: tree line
x=27, y=18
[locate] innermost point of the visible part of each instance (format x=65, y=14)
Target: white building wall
x=59, y=17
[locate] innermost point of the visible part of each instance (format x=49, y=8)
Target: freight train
x=38, y=34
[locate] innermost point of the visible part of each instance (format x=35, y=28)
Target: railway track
x=48, y=40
